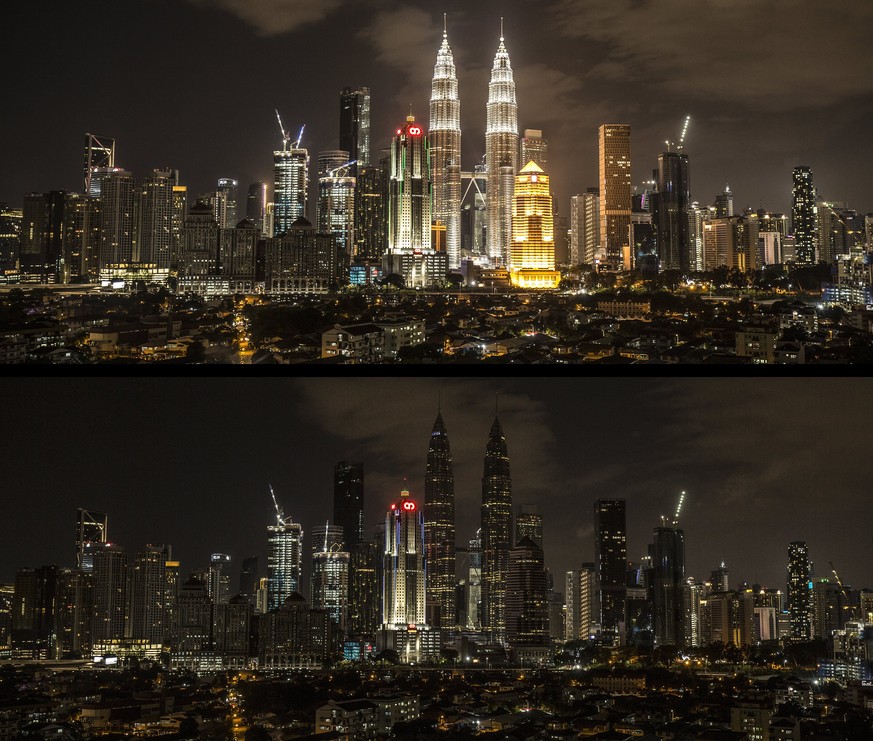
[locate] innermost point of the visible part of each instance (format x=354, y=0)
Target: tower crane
x=849, y=606
x=280, y=514
x=285, y=139
x=678, y=508
x=299, y=137
x=684, y=132
x=332, y=173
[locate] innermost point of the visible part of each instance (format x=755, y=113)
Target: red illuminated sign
x=415, y=130
x=409, y=506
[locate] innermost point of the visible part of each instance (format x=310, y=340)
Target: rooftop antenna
x=445, y=26
x=326, y=525
x=501, y=28
x=285, y=137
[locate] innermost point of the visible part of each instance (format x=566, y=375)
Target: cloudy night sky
x=188, y=461
x=192, y=84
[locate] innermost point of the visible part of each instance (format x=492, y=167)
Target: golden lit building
x=532, y=253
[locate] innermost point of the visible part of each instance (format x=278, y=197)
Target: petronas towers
x=439, y=533
x=501, y=153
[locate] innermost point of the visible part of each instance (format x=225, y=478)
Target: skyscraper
x=580, y=603
x=99, y=154
x=291, y=188
x=156, y=218
x=409, y=190
x=534, y=149
x=803, y=219
x=527, y=596
x=668, y=580
x=117, y=230
x=403, y=579
x=354, y=135
x=284, y=558
x=256, y=205
x=147, y=580
x=218, y=578
x=615, y=192
x=799, y=585
x=501, y=155
x=444, y=136
x=329, y=586
x=109, y=591
x=248, y=577
x=529, y=524
x=610, y=558
x=91, y=527
x=496, y=533
x=348, y=501
x=674, y=199
x=225, y=203
x=532, y=253
x=335, y=207
x=371, y=212
x=439, y=529
x=584, y=227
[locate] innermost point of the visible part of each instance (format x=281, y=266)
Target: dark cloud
x=780, y=54
x=273, y=17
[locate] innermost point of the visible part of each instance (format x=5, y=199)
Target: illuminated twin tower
x=519, y=233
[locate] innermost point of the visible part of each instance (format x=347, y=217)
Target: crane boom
x=299, y=137
x=285, y=137
x=684, y=131
x=280, y=515
x=679, y=507
x=850, y=607
x=332, y=173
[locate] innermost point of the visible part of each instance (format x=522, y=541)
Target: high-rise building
x=409, y=214
x=34, y=625
x=291, y=185
x=109, y=575
x=610, y=558
x=354, y=135
x=117, y=219
x=256, y=206
x=410, y=241
x=803, y=212
x=671, y=218
x=615, y=192
x=329, y=585
x=724, y=204
x=501, y=155
x=91, y=527
x=444, y=136
x=284, y=558
x=371, y=212
x=364, y=589
x=532, y=252
x=529, y=524
x=147, y=593
x=249, y=575
x=156, y=218
x=584, y=227
x=225, y=203
x=580, y=620
x=218, y=578
x=496, y=532
x=198, y=242
x=439, y=529
x=533, y=148
x=10, y=236
x=720, y=579
x=348, y=501
x=668, y=580
x=474, y=584
x=527, y=596
x=799, y=585
x=403, y=582
x=99, y=155
x=335, y=207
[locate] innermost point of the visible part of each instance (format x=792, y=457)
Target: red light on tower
x=409, y=506
x=393, y=506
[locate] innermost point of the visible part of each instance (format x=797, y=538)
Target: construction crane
x=285, y=139
x=299, y=137
x=849, y=606
x=332, y=173
x=684, y=132
x=678, y=508
x=280, y=514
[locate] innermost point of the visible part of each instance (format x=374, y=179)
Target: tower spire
x=501, y=28
x=445, y=26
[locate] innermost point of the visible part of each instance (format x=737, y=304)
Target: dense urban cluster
x=356, y=632
x=410, y=217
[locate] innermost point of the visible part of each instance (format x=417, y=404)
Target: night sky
x=188, y=462
x=192, y=84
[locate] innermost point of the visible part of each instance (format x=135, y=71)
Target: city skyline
x=748, y=477
x=575, y=68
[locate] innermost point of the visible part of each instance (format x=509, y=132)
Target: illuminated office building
x=354, y=135
x=799, y=586
x=284, y=560
x=610, y=556
x=439, y=529
x=291, y=186
x=615, y=193
x=501, y=156
x=803, y=215
x=532, y=253
x=444, y=136
x=329, y=585
x=335, y=207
